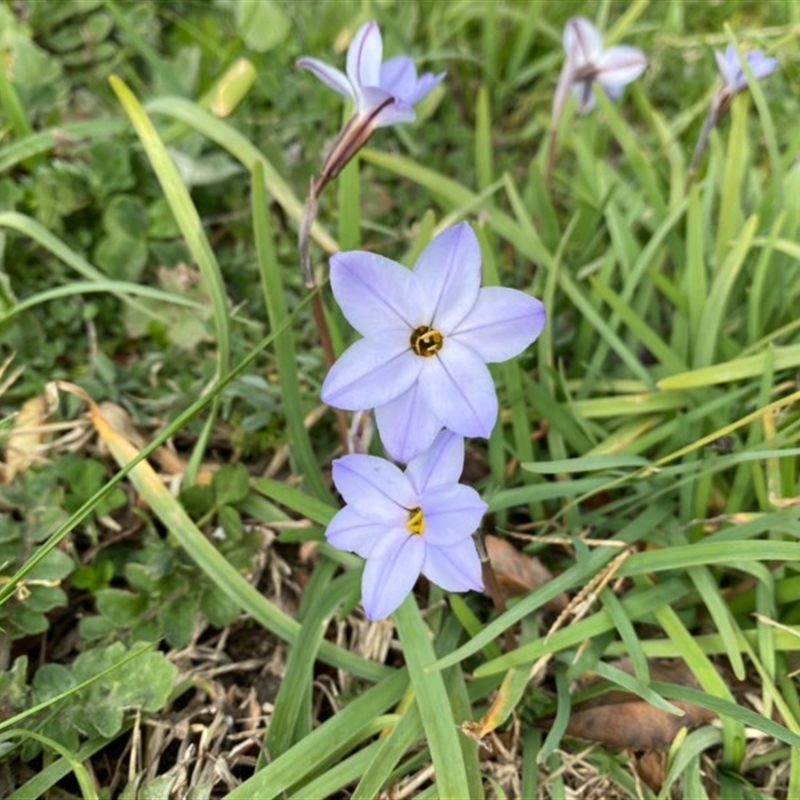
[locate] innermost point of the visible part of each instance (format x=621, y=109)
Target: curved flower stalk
x=734, y=82
x=428, y=336
x=383, y=93
x=407, y=523
x=587, y=65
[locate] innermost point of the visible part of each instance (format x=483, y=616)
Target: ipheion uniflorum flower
x=731, y=70
x=382, y=93
x=734, y=83
x=428, y=334
x=404, y=524
x=589, y=63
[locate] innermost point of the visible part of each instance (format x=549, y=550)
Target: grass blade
x=285, y=355
x=441, y=730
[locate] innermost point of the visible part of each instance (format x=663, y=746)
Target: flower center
x=416, y=522
x=426, y=341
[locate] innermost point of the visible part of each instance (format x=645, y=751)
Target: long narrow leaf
x=441, y=729
x=286, y=357
x=208, y=558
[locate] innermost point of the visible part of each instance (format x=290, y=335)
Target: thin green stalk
x=10, y=101
x=441, y=729
x=185, y=213
x=285, y=355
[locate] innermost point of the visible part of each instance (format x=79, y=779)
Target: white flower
x=613, y=68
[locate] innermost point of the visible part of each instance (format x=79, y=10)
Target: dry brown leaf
x=26, y=436
x=119, y=418
x=627, y=722
x=518, y=573
x=651, y=767
x=169, y=461
x=624, y=721
x=307, y=551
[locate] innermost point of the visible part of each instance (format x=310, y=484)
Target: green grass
x=164, y=578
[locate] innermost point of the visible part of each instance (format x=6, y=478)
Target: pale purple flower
x=407, y=523
x=428, y=335
x=734, y=82
x=731, y=70
x=385, y=92
x=589, y=63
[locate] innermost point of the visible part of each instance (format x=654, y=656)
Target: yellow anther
x=416, y=522
x=426, y=341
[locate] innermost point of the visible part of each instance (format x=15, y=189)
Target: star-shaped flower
x=731, y=70
x=734, y=82
x=385, y=93
x=428, y=335
x=407, y=523
x=613, y=68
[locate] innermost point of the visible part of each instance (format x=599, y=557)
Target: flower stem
x=320, y=320
x=718, y=107
x=565, y=80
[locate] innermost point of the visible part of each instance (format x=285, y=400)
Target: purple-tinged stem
x=719, y=105
x=565, y=80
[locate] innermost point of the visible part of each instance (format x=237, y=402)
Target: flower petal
x=379, y=108
x=371, y=373
x=425, y=85
x=374, y=293
x=620, y=65
x=390, y=574
x=502, y=324
x=728, y=66
x=451, y=513
x=583, y=92
x=456, y=568
x=449, y=275
x=406, y=425
x=732, y=72
x=458, y=388
x=614, y=92
x=329, y=75
x=364, y=56
x=762, y=66
x=582, y=41
x=375, y=488
x=399, y=77
x=441, y=464
x=392, y=114
x=348, y=530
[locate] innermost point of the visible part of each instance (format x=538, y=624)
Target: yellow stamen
x=416, y=522
x=426, y=341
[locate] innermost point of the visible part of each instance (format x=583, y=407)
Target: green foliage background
x=148, y=256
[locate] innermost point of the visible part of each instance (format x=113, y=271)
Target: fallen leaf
x=651, y=767
x=624, y=721
x=169, y=461
x=26, y=436
x=518, y=573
